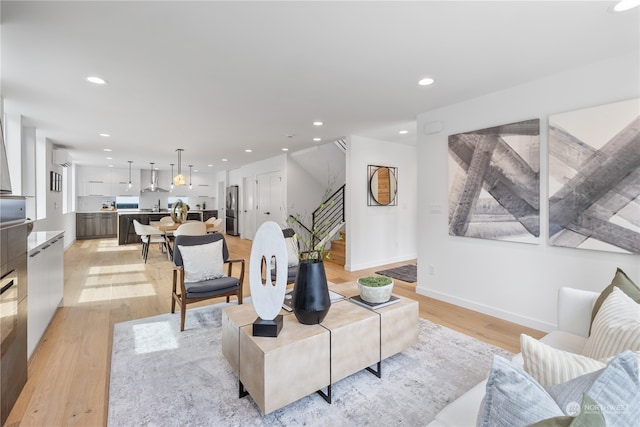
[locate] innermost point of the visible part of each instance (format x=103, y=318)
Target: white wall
x=304, y=192
x=379, y=235
x=513, y=281
x=56, y=220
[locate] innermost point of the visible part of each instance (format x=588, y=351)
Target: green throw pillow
x=589, y=416
x=622, y=281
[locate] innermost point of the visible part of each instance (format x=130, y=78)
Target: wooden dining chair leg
x=183, y=312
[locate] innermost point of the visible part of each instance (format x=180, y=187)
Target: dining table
x=167, y=229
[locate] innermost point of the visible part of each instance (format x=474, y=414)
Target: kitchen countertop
x=38, y=238
x=138, y=212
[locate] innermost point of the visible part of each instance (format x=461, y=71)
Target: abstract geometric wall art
x=594, y=178
x=494, y=183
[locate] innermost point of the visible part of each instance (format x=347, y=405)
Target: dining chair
x=168, y=234
x=148, y=235
x=199, y=273
x=196, y=228
x=293, y=253
x=215, y=225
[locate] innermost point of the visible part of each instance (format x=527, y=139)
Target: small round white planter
x=375, y=295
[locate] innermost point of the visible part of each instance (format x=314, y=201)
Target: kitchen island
x=127, y=233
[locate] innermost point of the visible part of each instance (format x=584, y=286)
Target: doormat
x=406, y=273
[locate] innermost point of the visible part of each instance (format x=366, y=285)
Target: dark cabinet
x=96, y=225
x=206, y=214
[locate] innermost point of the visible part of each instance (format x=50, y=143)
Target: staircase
x=337, y=253
x=328, y=221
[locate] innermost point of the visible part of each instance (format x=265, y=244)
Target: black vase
x=310, y=300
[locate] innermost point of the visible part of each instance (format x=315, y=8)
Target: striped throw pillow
x=549, y=365
x=615, y=328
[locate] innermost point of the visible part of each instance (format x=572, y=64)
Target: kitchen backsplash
x=146, y=201
x=93, y=203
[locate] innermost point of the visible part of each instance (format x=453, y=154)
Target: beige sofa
x=574, y=320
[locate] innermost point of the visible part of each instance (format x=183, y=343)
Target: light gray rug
x=162, y=377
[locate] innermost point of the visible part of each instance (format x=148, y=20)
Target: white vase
x=375, y=295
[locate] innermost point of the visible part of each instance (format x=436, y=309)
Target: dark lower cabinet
x=96, y=225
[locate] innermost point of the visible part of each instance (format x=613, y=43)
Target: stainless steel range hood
x=150, y=180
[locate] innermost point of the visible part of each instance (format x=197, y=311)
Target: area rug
x=162, y=377
x=406, y=273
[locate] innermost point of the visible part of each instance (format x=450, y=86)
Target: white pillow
x=202, y=262
x=292, y=251
x=615, y=328
x=550, y=366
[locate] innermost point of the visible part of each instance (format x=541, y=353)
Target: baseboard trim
x=489, y=310
x=378, y=263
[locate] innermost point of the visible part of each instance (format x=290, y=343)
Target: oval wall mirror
x=383, y=185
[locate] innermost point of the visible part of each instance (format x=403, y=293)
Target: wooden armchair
x=199, y=274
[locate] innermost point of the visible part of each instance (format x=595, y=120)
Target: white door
x=247, y=227
x=269, y=198
x=220, y=199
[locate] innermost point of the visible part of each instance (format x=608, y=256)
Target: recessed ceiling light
x=402, y=132
x=625, y=5
x=106, y=135
x=285, y=149
x=96, y=80
x=317, y=139
x=210, y=166
x=109, y=158
x=426, y=81
x=110, y=166
x=318, y=123
x=195, y=170
x=248, y=150
x=225, y=160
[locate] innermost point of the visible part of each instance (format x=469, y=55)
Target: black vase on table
x=310, y=299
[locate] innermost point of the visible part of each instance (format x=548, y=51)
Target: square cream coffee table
x=308, y=358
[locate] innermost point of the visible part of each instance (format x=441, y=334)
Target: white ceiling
x=216, y=78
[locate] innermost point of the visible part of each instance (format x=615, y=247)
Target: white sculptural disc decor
x=267, y=297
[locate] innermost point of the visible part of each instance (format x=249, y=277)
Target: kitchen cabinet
x=107, y=182
x=206, y=214
x=94, y=225
x=45, y=266
x=120, y=182
x=94, y=181
x=204, y=185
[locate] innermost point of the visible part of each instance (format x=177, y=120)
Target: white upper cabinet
x=94, y=181
x=203, y=185
x=120, y=182
x=107, y=182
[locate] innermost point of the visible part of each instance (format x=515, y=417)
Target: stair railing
x=327, y=216
x=327, y=219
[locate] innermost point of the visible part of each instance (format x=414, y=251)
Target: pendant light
x=171, y=186
x=130, y=161
x=179, y=179
x=152, y=186
x=190, y=186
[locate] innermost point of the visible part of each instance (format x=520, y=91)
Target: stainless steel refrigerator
x=232, y=210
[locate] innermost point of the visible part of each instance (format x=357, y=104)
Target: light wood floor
x=106, y=284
